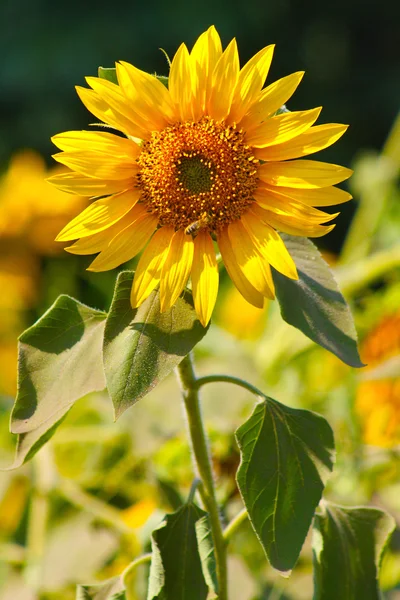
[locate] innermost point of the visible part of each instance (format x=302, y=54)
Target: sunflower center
x=196, y=175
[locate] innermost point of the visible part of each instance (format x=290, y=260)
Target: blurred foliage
x=84, y=508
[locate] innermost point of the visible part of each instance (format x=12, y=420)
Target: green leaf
x=176, y=569
x=108, y=73
x=206, y=550
x=348, y=545
x=59, y=362
x=142, y=345
x=287, y=455
x=163, y=79
x=112, y=589
x=314, y=303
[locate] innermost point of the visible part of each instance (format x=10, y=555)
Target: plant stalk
x=203, y=467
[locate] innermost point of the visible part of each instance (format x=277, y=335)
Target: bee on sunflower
x=208, y=161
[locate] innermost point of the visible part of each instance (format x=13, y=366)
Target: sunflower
x=208, y=160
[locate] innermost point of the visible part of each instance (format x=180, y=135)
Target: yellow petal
x=149, y=96
x=315, y=139
x=244, y=286
x=92, y=244
x=148, y=270
x=82, y=185
x=254, y=268
x=204, y=57
x=98, y=141
x=291, y=225
x=176, y=269
x=180, y=83
x=305, y=174
x=97, y=164
x=250, y=82
x=270, y=245
x=205, y=276
x=280, y=204
x=327, y=196
x=126, y=244
x=113, y=96
x=282, y=128
x=105, y=113
x=270, y=100
x=99, y=215
x=224, y=79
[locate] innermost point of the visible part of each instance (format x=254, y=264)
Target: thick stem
x=203, y=467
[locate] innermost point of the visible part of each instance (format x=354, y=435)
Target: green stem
x=234, y=525
x=202, y=460
x=128, y=576
x=229, y=379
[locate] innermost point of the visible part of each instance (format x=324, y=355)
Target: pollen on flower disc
x=193, y=170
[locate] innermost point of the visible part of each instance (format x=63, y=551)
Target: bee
x=195, y=227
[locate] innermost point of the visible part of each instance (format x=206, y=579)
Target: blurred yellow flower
x=239, y=317
x=378, y=401
x=208, y=159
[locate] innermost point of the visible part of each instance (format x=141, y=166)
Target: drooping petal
x=180, y=83
x=148, y=96
x=98, y=141
x=97, y=164
x=284, y=205
x=82, y=185
x=204, y=57
x=244, y=286
x=176, y=269
x=313, y=140
x=270, y=100
x=282, y=128
x=326, y=196
x=113, y=96
x=252, y=264
x=100, y=215
x=290, y=224
x=148, y=270
x=205, y=276
x=270, y=245
x=250, y=82
x=103, y=111
x=305, y=174
x=224, y=79
x=126, y=244
x=92, y=244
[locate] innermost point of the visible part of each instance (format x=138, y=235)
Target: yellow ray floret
x=208, y=160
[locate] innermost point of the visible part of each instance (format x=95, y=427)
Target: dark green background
x=349, y=50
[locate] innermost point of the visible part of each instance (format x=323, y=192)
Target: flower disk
x=209, y=160
x=200, y=171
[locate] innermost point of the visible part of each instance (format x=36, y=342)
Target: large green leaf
x=59, y=362
x=287, y=455
x=348, y=544
x=314, y=303
x=142, y=345
x=176, y=568
x=112, y=589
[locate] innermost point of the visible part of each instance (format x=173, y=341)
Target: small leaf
x=142, y=345
x=206, y=551
x=59, y=362
x=108, y=73
x=348, y=545
x=112, y=589
x=163, y=79
x=287, y=455
x=314, y=303
x=176, y=569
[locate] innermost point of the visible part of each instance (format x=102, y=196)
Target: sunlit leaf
x=348, y=544
x=108, y=73
x=206, y=551
x=142, y=345
x=314, y=303
x=59, y=362
x=176, y=568
x=112, y=589
x=287, y=455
